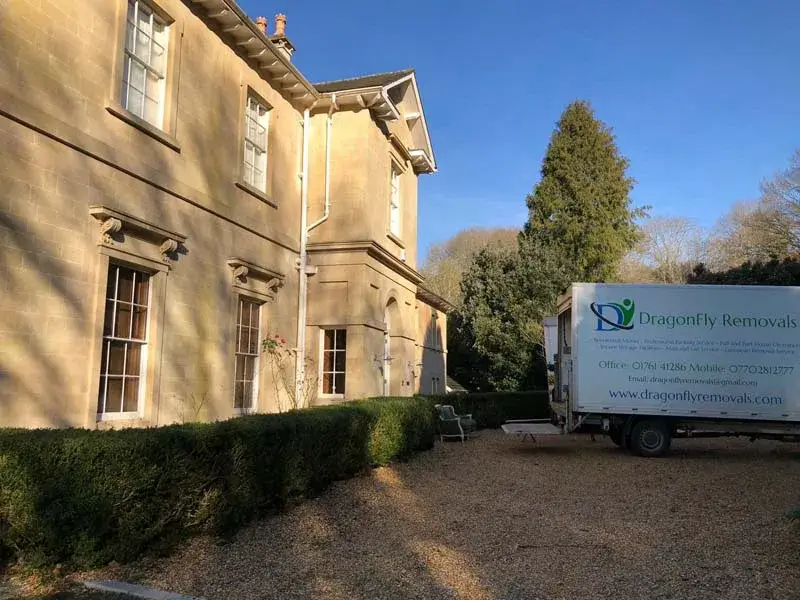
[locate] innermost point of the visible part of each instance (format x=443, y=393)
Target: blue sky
x=704, y=97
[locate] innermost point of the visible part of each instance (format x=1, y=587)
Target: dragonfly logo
x=614, y=316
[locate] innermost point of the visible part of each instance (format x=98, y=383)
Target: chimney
x=261, y=23
x=279, y=39
x=280, y=25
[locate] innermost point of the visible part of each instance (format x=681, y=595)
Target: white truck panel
x=702, y=351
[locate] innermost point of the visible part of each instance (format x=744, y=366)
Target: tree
x=582, y=203
x=763, y=230
x=750, y=231
x=781, y=194
x=446, y=262
x=668, y=249
x=580, y=226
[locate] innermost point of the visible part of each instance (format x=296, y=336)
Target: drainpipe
x=299, y=372
x=304, y=232
x=328, y=126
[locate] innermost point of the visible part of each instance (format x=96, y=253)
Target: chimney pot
x=261, y=23
x=280, y=24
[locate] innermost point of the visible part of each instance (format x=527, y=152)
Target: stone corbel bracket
x=255, y=279
x=114, y=224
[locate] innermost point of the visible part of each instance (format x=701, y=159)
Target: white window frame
x=256, y=356
x=132, y=57
x=334, y=372
x=103, y=415
x=395, y=208
x=256, y=143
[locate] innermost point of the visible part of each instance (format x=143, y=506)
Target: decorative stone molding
x=168, y=247
x=115, y=224
x=240, y=273
x=108, y=228
x=254, y=279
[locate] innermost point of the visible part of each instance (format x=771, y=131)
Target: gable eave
x=239, y=31
x=420, y=115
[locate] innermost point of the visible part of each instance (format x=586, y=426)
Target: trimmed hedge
x=491, y=409
x=84, y=498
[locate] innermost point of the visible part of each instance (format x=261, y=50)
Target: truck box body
x=688, y=351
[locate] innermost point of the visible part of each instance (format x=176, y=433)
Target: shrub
x=84, y=498
x=491, y=409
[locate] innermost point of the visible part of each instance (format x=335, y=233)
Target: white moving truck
x=653, y=362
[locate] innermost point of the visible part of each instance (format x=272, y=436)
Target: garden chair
x=452, y=425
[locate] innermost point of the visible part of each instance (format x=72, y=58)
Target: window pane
x=248, y=174
x=341, y=339
x=238, y=395
x=142, y=49
x=253, y=347
x=152, y=111
x=114, y=395
x=131, y=400
x=339, y=361
x=157, y=57
x=101, y=392
x=329, y=339
x=133, y=364
x=111, y=281
x=142, y=288
x=107, y=324
x=239, y=375
x=249, y=362
x=144, y=12
x=247, y=391
x=122, y=327
x=135, y=75
x=116, y=358
x=135, y=101
x=139, y=323
x=153, y=89
x=338, y=383
x=130, y=31
x=160, y=33
x=125, y=289
x=327, y=383
x=327, y=361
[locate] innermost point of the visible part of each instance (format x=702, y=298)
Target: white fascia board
x=411, y=77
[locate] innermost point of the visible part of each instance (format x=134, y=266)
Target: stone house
x=174, y=192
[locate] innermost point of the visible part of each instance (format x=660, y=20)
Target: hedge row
x=491, y=409
x=84, y=498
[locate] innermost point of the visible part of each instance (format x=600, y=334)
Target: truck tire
x=651, y=438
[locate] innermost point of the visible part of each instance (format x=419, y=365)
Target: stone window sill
x=145, y=127
x=246, y=187
x=395, y=239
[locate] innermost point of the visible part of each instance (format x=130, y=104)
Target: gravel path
x=497, y=518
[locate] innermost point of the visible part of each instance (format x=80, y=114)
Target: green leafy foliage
x=774, y=272
x=581, y=208
x=580, y=226
x=490, y=410
x=84, y=498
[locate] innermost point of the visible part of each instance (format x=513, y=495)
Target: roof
x=237, y=30
x=454, y=386
x=433, y=299
x=365, y=81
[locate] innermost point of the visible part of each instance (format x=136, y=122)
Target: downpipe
x=305, y=230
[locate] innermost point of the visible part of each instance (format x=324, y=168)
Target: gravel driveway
x=497, y=518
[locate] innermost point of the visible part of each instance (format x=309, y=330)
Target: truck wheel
x=615, y=433
x=651, y=438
